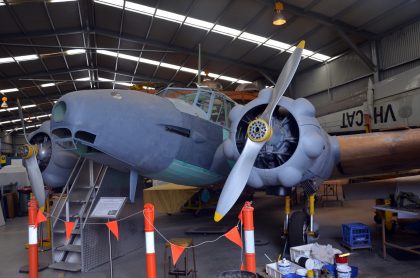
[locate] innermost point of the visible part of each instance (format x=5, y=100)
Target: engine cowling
x=299, y=149
x=54, y=162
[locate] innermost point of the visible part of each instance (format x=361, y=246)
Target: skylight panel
x=112, y=3
x=107, y=52
x=226, y=30
x=213, y=75
x=128, y=57
x=23, y=58
x=124, y=84
x=75, y=51
x=252, y=38
x=148, y=88
x=43, y=116
x=307, y=52
x=320, y=57
x=170, y=16
x=6, y=60
x=189, y=70
x=45, y=85
x=59, y=1
x=83, y=79
x=201, y=24
x=170, y=66
x=138, y=8
x=4, y=91
x=198, y=23
x=116, y=82
x=227, y=78
x=26, y=58
x=148, y=61
x=156, y=63
x=277, y=45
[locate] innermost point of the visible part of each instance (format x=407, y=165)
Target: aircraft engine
x=298, y=150
x=54, y=162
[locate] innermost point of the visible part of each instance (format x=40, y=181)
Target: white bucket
x=343, y=271
x=301, y=272
x=284, y=266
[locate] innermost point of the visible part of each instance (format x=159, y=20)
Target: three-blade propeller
x=259, y=132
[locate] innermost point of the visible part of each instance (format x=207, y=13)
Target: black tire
x=297, y=229
x=377, y=218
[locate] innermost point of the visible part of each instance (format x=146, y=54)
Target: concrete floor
x=223, y=255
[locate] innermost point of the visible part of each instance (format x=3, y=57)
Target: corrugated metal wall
x=341, y=83
x=400, y=47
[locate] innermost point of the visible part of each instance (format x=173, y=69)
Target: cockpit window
x=214, y=104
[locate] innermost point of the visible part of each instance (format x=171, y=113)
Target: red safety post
x=149, y=231
x=248, y=221
x=33, y=238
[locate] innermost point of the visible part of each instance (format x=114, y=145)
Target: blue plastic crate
x=356, y=235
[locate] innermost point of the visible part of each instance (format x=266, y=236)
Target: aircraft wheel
x=377, y=218
x=297, y=229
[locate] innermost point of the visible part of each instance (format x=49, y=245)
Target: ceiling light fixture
x=4, y=103
x=279, y=18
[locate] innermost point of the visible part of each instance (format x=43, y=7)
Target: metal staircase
x=75, y=204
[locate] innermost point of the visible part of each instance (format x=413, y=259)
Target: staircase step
x=70, y=248
x=74, y=267
x=74, y=232
x=87, y=187
x=78, y=201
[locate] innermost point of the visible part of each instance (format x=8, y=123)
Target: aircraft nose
x=129, y=126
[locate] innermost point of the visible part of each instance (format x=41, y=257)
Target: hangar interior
x=353, y=141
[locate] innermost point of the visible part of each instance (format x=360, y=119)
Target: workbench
x=415, y=249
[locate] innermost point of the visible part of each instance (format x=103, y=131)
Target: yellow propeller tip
x=301, y=44
x=217, y=216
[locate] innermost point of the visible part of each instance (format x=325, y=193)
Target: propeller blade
x=21, y=120
x=239, y=175
x=283, y=81
x=237, y=179
x=35, y=178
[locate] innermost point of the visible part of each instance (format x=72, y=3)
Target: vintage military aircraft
x=201, y=137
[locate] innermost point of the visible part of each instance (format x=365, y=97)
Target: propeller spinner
x=259, y=132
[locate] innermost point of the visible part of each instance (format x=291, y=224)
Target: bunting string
x=191, y=246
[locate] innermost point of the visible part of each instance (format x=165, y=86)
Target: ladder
x=74, y=204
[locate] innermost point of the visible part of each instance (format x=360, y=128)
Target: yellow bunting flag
x=176, y=252
x=113, y=227
x=69, y=229
x=234, y=236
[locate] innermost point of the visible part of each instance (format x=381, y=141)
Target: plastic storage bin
x=356, y=235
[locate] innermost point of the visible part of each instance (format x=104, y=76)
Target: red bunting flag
x=69, y=228
x=176, y=252
x=40, y=217
x=113, y=227
x=234, y=236
x=242, y=266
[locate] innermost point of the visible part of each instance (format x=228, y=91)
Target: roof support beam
x=181, y=50
x=354, y=47
x=325, y=20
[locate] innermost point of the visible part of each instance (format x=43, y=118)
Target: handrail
x=99, y=181
x=66, y=187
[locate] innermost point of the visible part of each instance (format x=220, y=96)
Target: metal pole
x=199, y=64
x=33, y=238
x=248, y=218
x=149, y=216
x=110, y=251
